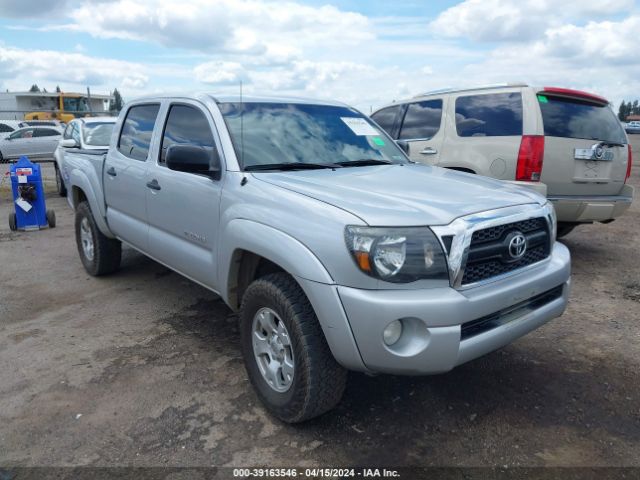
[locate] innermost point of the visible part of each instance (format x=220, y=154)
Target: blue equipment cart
x=28, y=198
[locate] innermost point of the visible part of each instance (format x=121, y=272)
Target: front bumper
x=431, y=342
x=592, y=208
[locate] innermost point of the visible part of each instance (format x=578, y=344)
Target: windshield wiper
x=364, y=162
x=290, y=166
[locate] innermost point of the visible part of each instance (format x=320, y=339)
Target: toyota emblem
x=517, y=246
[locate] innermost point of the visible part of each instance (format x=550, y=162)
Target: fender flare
x=272, y=244
x=80, y=181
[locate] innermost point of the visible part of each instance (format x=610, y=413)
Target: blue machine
x=28, y=196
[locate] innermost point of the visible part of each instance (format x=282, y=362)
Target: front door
x=18, y=143
x=422, y=129
x=124, y=174
x=184, y=208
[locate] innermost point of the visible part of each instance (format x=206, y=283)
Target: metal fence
x=18, y=115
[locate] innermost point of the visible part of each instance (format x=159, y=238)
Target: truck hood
x=409, y=195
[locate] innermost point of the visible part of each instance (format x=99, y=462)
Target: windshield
x=291, y=133
x=97, y=134
x=570, y=118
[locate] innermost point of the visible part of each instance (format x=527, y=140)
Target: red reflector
x=530, y=158
x=629, y=162
x=568, y=92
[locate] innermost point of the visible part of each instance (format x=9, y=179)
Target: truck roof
x=235, y=98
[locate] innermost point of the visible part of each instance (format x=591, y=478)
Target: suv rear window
x=422, y=120
x=135, y=136
x=492, y=115
x=569, y=118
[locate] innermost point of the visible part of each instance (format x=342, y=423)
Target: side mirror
x=404, y=145
x=69, y=143
x=194, y=159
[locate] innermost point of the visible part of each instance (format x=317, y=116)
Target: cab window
x=186, y=125
x=135, y=136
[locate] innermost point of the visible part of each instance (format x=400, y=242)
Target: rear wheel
x=100, y=254
x=51, y=218
x=285, y=353
x=60, y=186
x=565, y=229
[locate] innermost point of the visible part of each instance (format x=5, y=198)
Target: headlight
x=398, y=255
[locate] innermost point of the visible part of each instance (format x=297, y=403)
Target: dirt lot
x=143, y=368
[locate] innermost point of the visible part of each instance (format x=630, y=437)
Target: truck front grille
x=489, y=249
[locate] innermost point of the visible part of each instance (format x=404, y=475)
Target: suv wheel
x=285, y=353
x=100, y=254
x=565, y=229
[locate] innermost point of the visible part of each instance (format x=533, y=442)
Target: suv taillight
x=629, y=162
x=530, y=158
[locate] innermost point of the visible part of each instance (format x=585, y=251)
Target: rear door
x=124, y=174
x=484, y=131
x=585, y=151
x=184, y=208
x=46, y=141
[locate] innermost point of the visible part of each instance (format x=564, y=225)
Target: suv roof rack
x=480, y=87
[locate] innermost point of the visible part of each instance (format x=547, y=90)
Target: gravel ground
x=143, y=368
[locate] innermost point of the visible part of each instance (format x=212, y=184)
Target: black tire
x=107, y=252
x=62, y=189
x=565, y=229
x=318, y=380
x=51, y=218
x=13, y=222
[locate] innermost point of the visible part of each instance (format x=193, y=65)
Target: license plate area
x=594, y=171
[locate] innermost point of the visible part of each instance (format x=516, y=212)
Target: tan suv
x=566, y=144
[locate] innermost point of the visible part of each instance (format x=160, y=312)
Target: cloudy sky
x=363, y=53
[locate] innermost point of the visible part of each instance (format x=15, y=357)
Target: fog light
x=392, y=332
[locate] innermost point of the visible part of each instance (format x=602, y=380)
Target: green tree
x=622, y=111
x=58, y=89
x=116, y=103
x=635, y=108
x=34, y=88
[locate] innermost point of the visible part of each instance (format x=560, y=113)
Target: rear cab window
x=489, y=115
x=576, y=118
x=137, y=129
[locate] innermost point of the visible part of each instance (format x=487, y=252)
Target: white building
x=14, y=105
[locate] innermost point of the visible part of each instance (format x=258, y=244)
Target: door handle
x=153, y=184
x=429, y=151
x=111, y=172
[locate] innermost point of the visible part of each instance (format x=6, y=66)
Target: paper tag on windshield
x=359, y=126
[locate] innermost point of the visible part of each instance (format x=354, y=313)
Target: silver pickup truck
x=337, y=251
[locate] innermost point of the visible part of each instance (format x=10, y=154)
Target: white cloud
x=30, y=8
x=220, y=73
x=250, y=27
x=505, y=20
x=29, y=66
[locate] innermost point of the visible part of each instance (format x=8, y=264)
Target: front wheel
x=60, y=186
x=285, y=352
x=100, y=254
